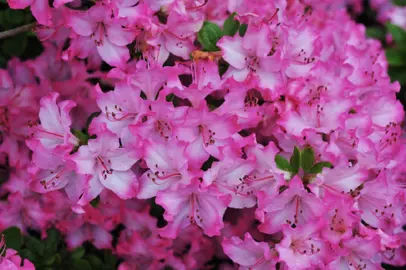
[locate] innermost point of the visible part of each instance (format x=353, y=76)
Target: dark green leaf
x=376, y=32
x=52, y=241
x=94, y=261
x=209, y=35
x=397, y=74
x=243, y=29
x=95, y=202
x=306, y=159
x=78, y=253
x=318, y=167
x=401, y=3
x=14, y=17
x=398, y=34
x=35, y=246
x=231, y=26
x=82, y=136
x=30, y=255
x=295, y=160
x=13, y=238
x=51, y=260
x=283, y=164
x=15, y=45
x=109, y=259
x=395, y=57
x=81, y=265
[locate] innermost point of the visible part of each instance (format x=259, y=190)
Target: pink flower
x=192, y=205
x=356, y=252
x=176, y=36
x=168, y=168
x=12, y=261
x=39, y=8
x=109, y=166
x=206, y=134
x=120, y=108
x=303, y=248
x=54, y=130
x=250, y=254
x=250, y=54
x=98, y=24
x=294, y=206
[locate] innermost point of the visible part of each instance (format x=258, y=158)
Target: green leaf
x=35, y=246
x=95, y=202
x=52, y=241
x=400, y=3
x=397, y=74
x=209, y=35
x=13, y=238
x=30, y=255
x=78, y=253
x=243, y=29
x=295, y=160
x=283, y=164
x=318, y=167
x=306, y=159
x=94, y=261
x=51, y=260
x=231, y=26
x=109, y=259
x=15, y=46
x=398, y=34
x=81, y=265
x=82, y=136
x=376, y=32
x=395, y=57
x=14, y=17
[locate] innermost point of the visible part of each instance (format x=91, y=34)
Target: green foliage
x=295, y=160
x=306, y=159
x=401, y=3
x=95, y=202
x=209, y=35
x=243, y=29
x=231, y=26
x=398, y=33
x=301, y=159
x=13, y=238
x=376, y=32
x=283, y=164
x=17, y=46
x=318, y=167
x=52, y=252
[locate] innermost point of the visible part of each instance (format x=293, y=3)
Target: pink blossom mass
x=219, y=134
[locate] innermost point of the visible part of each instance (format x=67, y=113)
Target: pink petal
x=114, y=55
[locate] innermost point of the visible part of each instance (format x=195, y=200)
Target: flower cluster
x=268, y=131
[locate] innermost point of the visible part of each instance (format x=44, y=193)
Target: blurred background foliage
x=51, y=252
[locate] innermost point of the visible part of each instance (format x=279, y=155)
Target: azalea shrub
x=202, y=134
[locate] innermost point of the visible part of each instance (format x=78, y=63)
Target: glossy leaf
x=306, y=159
x=283, y=164
x=231, y=26
x=13, y=238
x=318, y=167
x=209, y=35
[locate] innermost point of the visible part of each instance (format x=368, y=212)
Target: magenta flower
x=109, y=166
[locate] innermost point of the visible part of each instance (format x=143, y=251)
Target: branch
x=18, y=30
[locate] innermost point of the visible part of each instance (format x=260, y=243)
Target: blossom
x=250, y=254
x=109, y=166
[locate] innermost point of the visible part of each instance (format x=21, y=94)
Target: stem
x=18, y=30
